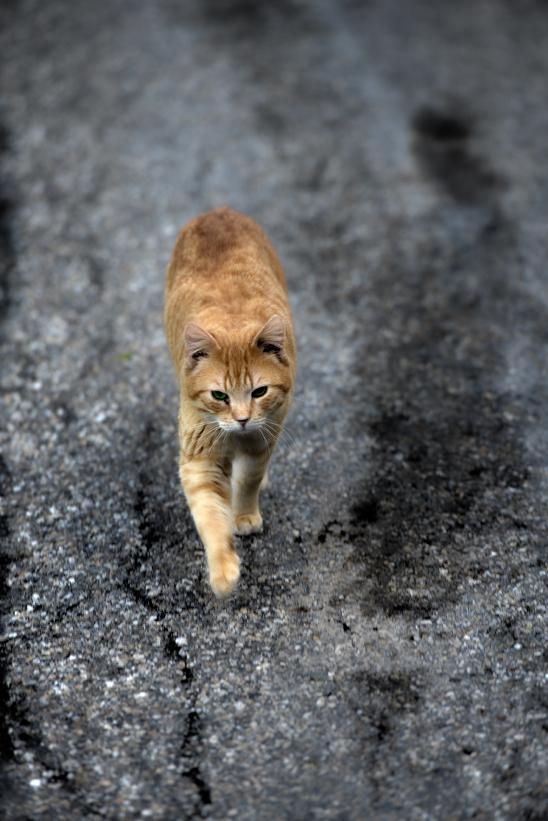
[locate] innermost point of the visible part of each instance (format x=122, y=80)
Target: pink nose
x=243, y=422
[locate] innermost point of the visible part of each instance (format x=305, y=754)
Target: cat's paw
x=224, y=573
x=248, y=523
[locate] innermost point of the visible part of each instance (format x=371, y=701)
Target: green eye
x=220, y=396
x=259, y=392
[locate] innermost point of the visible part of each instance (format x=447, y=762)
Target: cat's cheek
x=275, y=405
x=215, y=411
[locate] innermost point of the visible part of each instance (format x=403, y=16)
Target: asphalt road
x=385, y=654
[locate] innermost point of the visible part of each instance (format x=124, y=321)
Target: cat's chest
x=251, y=443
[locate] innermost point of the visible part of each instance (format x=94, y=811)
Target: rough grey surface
x=384, y=656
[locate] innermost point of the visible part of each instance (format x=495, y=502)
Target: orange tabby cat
x=229, y=331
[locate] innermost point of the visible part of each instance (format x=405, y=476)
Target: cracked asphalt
x=385, y=654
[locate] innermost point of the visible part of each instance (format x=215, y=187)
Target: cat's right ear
x=198, y=344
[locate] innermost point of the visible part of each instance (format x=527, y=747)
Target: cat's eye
x=220, y=396
x=259, y=392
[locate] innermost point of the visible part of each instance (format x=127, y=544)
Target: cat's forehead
x=241, y=373
x=237, y=371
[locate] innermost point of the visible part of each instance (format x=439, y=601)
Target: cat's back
x=221, y=243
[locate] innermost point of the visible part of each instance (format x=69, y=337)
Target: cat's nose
x=243, y=422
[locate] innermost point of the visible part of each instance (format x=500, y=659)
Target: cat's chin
x=250, y=428
x=247, y=431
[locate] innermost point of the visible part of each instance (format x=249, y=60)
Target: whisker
x=279, y=430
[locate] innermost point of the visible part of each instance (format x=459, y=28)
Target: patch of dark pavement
x=366, y=511
x=447, y=467
x=424, y=491
x=249, y=14
x=96, y=270
x=441, y=147
x=442, y=126
x=269, y=120
x=382, y=695
x=63, y=410
x=245, y=20
x=379, y=700
x=7, y=240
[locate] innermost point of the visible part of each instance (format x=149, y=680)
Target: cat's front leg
x=206, y=484
x=248, y=473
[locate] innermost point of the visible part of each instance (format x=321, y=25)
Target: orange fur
x=229, y=330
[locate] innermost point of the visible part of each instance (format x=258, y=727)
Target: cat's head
x=239, y=379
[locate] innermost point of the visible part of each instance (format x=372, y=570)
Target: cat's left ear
x=271, y=338
x=198, y=344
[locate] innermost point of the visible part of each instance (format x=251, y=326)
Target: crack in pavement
x=153, y=534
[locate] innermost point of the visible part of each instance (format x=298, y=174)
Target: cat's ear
x=271, y=338
x=198, y=344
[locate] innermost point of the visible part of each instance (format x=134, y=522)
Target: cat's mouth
x=244, y=430
x=238, y=429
